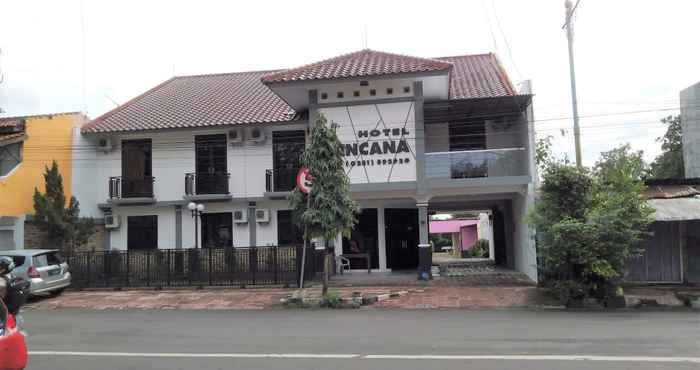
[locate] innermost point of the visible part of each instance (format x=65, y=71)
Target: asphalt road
x=362, y=339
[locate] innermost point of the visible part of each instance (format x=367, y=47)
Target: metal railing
x=206, y=183
x=191, y=267
x=122, y=187
x=281, y=179
x=476, y=163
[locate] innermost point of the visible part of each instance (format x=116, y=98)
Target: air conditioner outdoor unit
x=262, y=215
x=235, y=136
x=240, y=216
x=104, y=144
x=111, y=221
x=257, y=135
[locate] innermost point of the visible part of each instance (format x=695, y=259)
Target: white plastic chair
x=342, y=263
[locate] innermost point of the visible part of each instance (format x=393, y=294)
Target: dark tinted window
x=19, y=260
x=288, y=233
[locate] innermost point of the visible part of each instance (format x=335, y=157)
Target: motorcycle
x=13, y=294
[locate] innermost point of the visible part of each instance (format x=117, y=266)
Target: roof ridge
x=40, y=115
x=226, y=73
x=463, y=56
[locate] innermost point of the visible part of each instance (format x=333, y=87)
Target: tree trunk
x=326, y=268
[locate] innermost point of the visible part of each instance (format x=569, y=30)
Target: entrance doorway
x=364, y=239
x=401, y=238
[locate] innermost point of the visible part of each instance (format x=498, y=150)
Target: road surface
x=362, y=339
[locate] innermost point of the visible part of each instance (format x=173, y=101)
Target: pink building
x=464, y=232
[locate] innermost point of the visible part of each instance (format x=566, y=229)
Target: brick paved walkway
x=417, y=297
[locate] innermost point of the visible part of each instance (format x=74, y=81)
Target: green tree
x=329, y=208
x=543, y=151
x=669, y=164
x=64, y=226
x=589, y=223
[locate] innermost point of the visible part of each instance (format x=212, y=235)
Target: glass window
x=288, y=233
x=10, y=157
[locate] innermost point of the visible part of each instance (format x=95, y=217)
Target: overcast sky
x=630, y=55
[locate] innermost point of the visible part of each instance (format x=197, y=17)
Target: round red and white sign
x=304, y=180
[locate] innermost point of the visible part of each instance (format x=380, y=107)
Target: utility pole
x=572, y=71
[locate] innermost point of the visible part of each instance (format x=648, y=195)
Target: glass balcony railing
x=476, y=163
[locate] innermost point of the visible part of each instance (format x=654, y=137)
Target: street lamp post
x=196, y=209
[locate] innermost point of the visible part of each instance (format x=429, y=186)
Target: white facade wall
x=690, y=123
x=524, y=237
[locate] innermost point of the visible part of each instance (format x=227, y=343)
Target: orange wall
x=48, y=138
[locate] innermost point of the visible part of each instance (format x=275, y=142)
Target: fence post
x=253, y=263
x=128, y=268
x=88, y=268
x=210, y=264
x=169, y=255
x=148, y=268
x=275, y=263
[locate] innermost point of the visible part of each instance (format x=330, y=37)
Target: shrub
x=480, y=249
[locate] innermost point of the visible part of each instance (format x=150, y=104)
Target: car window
x=18, y=260
x=54, y=258
x=41, y=261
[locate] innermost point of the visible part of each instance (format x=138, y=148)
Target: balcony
x=474, y=164
x=131, y=190
x=280, y=180
x=207, y=186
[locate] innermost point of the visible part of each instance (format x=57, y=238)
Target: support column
x=252, y=225
x=425, y=256
x=178, y=227
x=381, y=238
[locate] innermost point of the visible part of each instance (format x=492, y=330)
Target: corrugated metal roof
x=670, y=191
x=676, y=209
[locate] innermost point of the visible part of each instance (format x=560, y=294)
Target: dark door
x=287, y=148
x=137, y=176
x=401, y=238
x=210, y=164
x=142, y=232
x=217, y=230
x=499, y=237
x=692, y=245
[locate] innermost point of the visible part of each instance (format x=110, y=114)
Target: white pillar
x=381, y=238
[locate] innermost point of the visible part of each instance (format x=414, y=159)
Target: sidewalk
x=250, y=299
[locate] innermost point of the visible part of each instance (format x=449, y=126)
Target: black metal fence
x=193, y=267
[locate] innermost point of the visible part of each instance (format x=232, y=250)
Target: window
x=217, y=230
x=142, y=232
x=288, y=233
x=10, y=157
x=356, y=94
x=372, y=92
x=340, y=95
x=406, y=89
x=324, y=96
x=47, y=259
x=389, y=91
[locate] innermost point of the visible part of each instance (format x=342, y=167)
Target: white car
x=43, y=268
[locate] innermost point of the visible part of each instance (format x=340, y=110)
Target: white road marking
x=538, y=358
x=372, y=357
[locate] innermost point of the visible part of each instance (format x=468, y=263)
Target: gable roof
x=363, y=63
x=243, y=97
x=478, y=76
x=197, y=101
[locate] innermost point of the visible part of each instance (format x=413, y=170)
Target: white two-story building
x=419, y=135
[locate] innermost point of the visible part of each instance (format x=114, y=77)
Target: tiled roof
x=478, y=76
x=363, y=63
x=11, y=128
x=198, y=101
x=238, y=98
